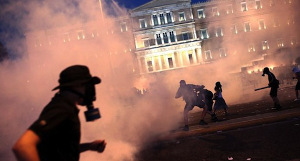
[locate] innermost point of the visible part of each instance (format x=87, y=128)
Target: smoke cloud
x=129, y=121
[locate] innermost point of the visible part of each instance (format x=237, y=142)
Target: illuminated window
x=123, y=27
x=162, y=19
x=67, y=37
x=208, y=54
x=169, y=17
x=280, y=43
x=258, y=4
x=181, y=16
x=215, y=12
x=222, y=52
x=261, y=24
x=80, y=35
x=294, y=41
x=170, y=61
x=247, y=27
x=219, y=32
x=244, y=7
x=229, y=9
x=172, y=36
x=265, y=45
x=204, y=34
x=191, y=58
x=288, y=1
x=201, y=13
x=291, y=21
x=158, y=39
x=149, y=65
x=155, y=20
x=166, y=39
x=37, y=43
x=143, y=23
x=146, y=42
x=234, y=29
x=251, y=48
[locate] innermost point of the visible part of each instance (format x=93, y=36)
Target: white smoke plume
x=128, y=120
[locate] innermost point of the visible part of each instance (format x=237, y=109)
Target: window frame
x=179, y=16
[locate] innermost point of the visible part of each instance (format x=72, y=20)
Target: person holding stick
x=274, y=85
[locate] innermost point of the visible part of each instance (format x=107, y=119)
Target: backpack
x=208, y=94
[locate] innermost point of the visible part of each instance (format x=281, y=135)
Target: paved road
x=279, y=141
x=252, y=131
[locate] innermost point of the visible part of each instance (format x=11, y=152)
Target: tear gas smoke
x=128, y=121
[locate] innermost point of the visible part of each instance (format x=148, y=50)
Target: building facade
x=176, y=34
x=166, y=35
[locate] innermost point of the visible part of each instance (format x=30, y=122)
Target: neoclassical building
x=164, y=35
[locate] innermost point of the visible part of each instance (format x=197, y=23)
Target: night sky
x=9, y=30
x=130, y=4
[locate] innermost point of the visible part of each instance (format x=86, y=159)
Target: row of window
x=245, y=6
x=166, y=18
x=280, y=43
x=167, y=37
x=251, y=47
x=246, y=28
x=162, y=19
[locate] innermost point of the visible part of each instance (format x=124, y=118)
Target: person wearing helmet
x=274, y=84
x=297, y=87
x=55, y=135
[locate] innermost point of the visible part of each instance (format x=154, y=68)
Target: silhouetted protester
x=219, y=100
x=297, y=76
x=55, y=135
x=274, y=84
x=208, y=100
x=192, y=99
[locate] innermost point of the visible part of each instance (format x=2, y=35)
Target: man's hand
x=98, y=145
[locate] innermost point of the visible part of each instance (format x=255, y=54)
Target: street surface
x=270, y=135
x=268, y=142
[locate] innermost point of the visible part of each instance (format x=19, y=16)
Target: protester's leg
x=203, y=114
x=273, y=94
x=204, y=111
x=186, y=116
x=297, y=88
x=187, y=108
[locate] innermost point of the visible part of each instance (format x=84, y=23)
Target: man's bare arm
x=25, y=149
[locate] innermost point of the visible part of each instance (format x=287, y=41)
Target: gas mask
x=92, y=113
x=89, y=97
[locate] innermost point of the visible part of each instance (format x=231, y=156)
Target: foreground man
x=55, y=135
x=274, y=84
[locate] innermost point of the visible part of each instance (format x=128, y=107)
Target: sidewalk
x=234, y=123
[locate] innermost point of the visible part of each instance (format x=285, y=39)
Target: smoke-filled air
x=130, y=120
